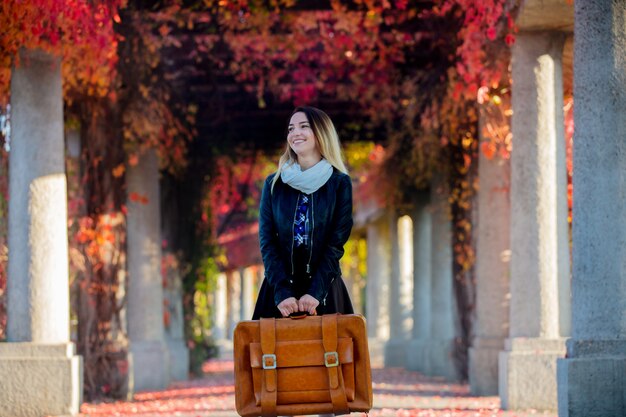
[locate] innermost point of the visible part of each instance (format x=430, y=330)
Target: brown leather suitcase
x=313, y=365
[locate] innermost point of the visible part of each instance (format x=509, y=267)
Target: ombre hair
x=326, y=139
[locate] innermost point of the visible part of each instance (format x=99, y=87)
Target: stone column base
x=527, y=373
x=37, y=379
x=179, y=359
x=592, y=384
x=149, y=366
x=483, y=365
x=441, y=360
x=417, y=356
x=396, y=353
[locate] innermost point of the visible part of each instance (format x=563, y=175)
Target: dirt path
x=397, y=392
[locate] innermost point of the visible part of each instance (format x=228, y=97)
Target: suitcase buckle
x=269, y=361
x=331, y=359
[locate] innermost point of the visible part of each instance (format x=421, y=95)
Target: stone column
x=535, y=340
x=175, y=332
x=491, y=325
x=220, y=308
x=377, y=287
x=148, y=352
x=39, y=357
x=418, y=351
x=591, y=379
x=443, y=307
x=233, y=279
x=248, y=275
x=401, y=291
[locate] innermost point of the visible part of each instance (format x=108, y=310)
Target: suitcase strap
x=331, y=360
x=268, y=345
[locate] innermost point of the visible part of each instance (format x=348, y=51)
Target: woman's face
x=300, y=136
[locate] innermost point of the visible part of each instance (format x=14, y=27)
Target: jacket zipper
x=308, y=265
x=328, y=290
x=293, y=234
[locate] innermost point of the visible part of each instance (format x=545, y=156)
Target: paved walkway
x=397, y=392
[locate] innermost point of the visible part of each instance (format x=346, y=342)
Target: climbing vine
x=79, y=31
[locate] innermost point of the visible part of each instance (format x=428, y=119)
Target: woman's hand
x=308, y=304
x=288, y=306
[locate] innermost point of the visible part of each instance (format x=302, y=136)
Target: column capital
x=545, y=14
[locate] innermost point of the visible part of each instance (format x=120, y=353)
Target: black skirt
x=337, y=300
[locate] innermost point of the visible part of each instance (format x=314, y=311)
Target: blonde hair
x=326, y=139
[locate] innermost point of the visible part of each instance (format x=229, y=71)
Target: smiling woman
x=302, y=141
x=305, y=220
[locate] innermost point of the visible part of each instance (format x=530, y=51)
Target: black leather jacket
x=331, y=216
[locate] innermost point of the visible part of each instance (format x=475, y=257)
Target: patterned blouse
x=301, y=227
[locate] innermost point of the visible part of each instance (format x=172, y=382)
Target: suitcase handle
x=298, y=315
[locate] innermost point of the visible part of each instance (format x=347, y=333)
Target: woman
x=305, y=219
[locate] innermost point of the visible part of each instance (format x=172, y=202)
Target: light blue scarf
x=308, y=181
